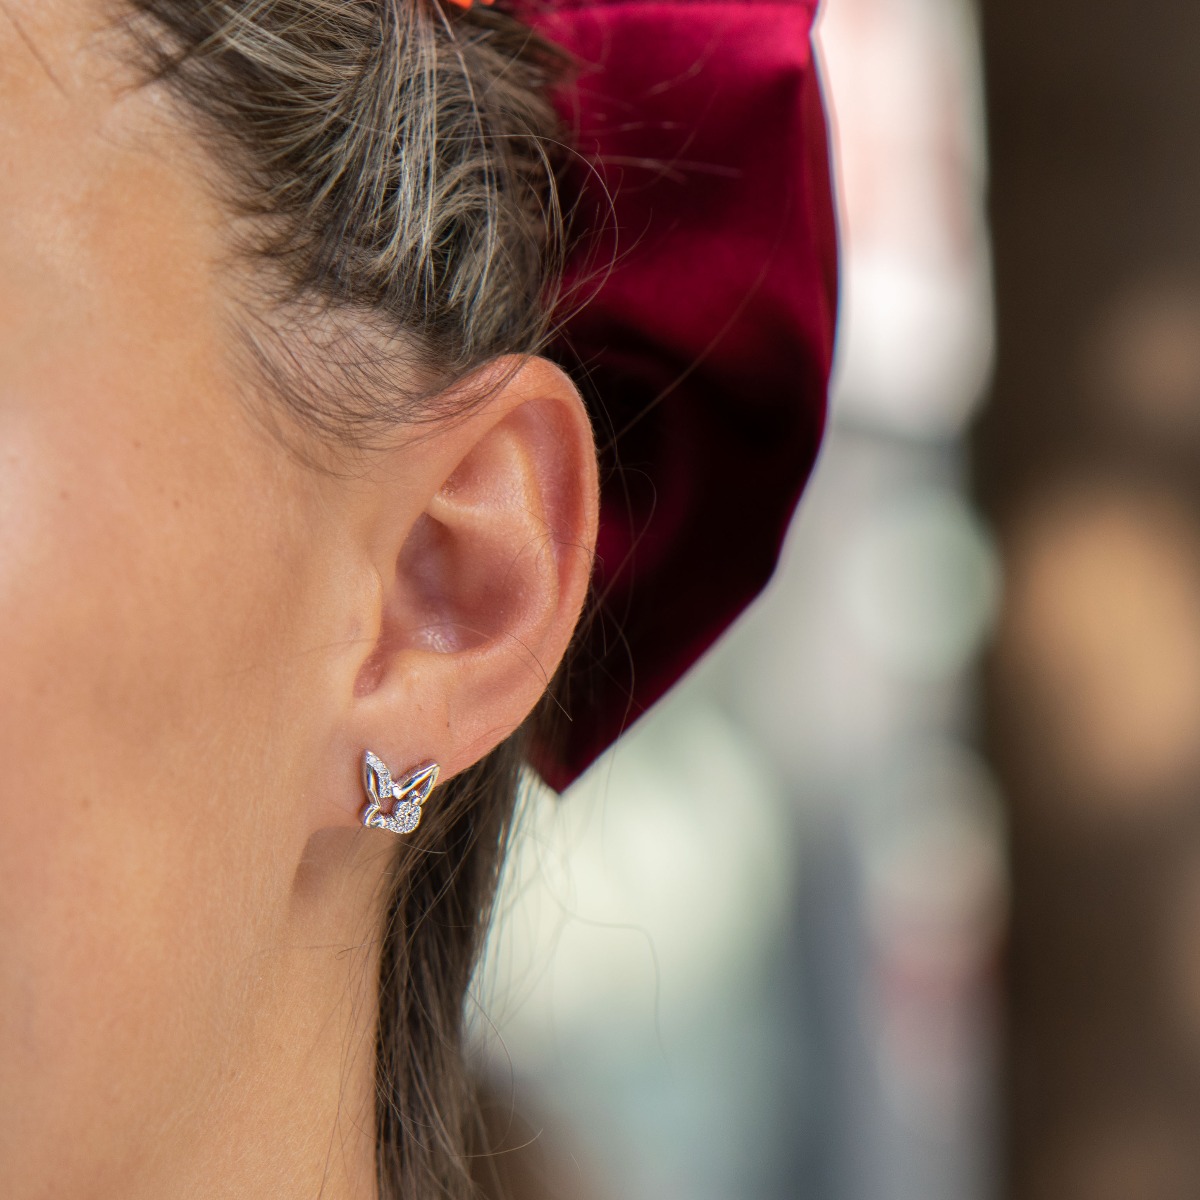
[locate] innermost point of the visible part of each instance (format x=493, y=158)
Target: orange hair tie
x=468, y=3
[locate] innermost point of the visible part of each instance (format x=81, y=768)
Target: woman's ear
x=483, y=571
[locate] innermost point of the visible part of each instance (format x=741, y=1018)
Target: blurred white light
x=915, y=343
x=915, y=331
x=643, y=889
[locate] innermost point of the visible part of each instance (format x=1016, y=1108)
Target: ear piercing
x=405, y=797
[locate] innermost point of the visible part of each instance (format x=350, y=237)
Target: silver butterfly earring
x=404, y=797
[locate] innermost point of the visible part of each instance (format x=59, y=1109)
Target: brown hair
x=390, y=167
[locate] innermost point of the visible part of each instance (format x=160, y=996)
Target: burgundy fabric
x=705, y=353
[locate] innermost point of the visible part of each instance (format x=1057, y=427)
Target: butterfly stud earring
x=404, y=797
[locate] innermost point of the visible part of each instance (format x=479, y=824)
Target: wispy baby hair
x=396, y=165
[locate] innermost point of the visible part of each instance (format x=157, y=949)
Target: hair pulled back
x=392, y=165
x=389, y=167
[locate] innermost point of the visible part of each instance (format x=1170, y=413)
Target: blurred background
x=897, y=897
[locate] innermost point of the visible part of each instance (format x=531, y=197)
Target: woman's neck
x=291, y=1109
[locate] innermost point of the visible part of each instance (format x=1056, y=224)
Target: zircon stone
x=405, y=818
x=377, y=776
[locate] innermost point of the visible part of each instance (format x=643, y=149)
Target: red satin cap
x=705, y=354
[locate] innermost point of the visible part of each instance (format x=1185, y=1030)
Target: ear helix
x=403, y=797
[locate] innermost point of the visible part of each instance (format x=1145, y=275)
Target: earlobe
x=489, y=579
